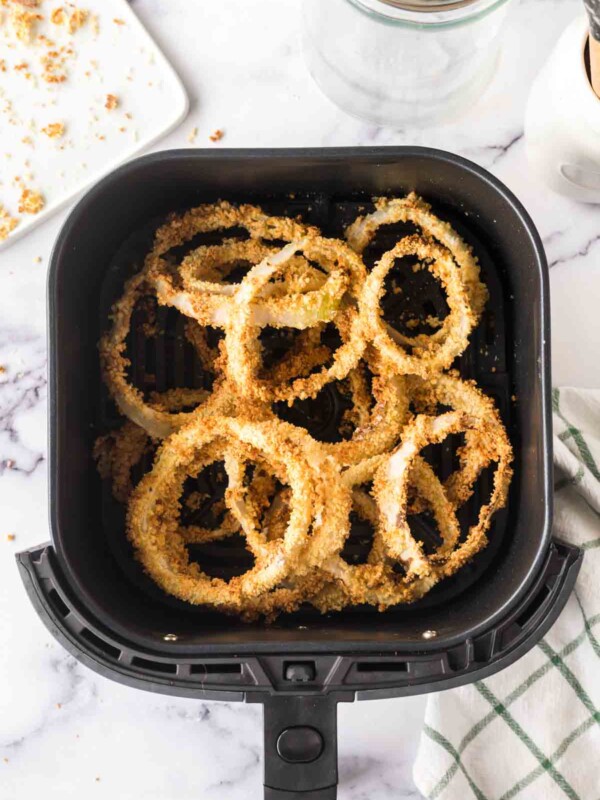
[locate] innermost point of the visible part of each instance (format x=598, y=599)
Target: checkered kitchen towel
x=532, y=732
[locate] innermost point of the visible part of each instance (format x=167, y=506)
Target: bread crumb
x=37, y=260
x=54, y=130
x=58, y=16
x=5, y=760
x=77, y=19
x=217, y=135
x=118, y=21
x=59, y=705
x=112, y=102
x=7, y=223
x=30, y=202
x=45, y=40
x=2, y=369
x=2, y=65
x=53, y=63
x=10, y=537
x=23, y=23
x=192, y=135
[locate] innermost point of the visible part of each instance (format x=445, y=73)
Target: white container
x=399, y=62
x=562, y=121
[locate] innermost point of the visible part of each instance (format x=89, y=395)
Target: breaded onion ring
x=413, y=208
x=305, y=297
x=425, y=360
x=391, y=485
x=154, y=510
x=156, y=421
x=483, y=446
x=212, y=305
x=376, y=581
x=241, y=340
x=205, y=269
x=119, y=451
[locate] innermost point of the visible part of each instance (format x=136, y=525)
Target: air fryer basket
x=92, y=594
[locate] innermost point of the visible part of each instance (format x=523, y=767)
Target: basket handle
x=300, y=747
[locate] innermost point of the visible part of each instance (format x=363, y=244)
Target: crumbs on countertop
x=10, y=537
x=217, y=135
x=112, y=102
x=192, y=135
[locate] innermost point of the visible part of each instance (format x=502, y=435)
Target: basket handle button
x=300, y=745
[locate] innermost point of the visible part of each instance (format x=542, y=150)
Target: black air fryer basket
x=91, y=593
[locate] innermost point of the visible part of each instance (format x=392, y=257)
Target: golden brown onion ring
x=212, y=305
x=425, y=360
x=376, y=581
x=153, y=513
x=392, y=481
x=241, y=340
x=482, y=447
x=413, y=208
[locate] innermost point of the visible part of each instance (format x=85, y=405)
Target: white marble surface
x=66, y=732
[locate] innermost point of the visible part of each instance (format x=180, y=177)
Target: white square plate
x=118, y=57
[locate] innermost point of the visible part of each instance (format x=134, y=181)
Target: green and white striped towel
x=532, y=732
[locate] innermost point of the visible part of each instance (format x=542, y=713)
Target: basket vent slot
x=215, y=669
x=58, y=604
x=382, y=666
x=531, y=610
x=483, y=648
x=100, y=644
x=154, y=666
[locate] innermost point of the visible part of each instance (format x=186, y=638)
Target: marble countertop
x=65, y=731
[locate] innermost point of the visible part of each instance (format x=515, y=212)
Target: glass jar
x=399, y=62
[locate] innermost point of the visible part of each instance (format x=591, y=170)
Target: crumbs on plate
x=30, y=202
x=112, y=102
x=54, y=130
x=7, y=223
